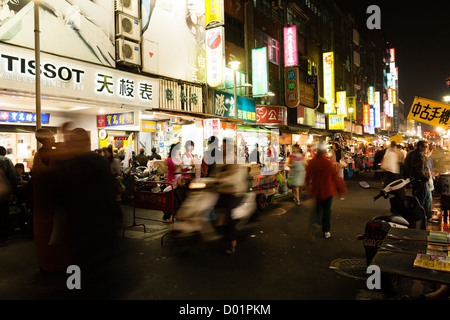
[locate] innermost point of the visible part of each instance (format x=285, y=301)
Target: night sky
x=420, y=33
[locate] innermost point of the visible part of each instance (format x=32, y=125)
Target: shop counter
x=398, y=252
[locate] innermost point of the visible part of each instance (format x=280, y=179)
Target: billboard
x=77, y=29
x=173, y=39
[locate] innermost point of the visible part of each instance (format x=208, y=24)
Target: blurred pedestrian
x=296, y=163
x=8, y=184
x=390, y=164
x=232, y=185
x=50, y=257
x=323, y=182
x=85, y=195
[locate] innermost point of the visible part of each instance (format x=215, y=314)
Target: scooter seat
x=393, y=218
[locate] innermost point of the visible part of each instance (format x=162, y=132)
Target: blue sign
x=24, y=117
x=224, y=107
x=119, y=119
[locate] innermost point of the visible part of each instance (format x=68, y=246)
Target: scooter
x=197, y=220
x=406, y=212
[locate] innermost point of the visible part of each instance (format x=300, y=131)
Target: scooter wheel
x=261, y=201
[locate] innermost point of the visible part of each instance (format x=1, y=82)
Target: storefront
x=71, y=91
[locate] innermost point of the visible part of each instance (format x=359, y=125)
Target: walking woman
x=296, y=162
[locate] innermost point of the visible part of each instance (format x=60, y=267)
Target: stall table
x=399, y=250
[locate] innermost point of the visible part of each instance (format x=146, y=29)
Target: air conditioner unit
x=128, y=52
x=128, y=27
x=130, y=7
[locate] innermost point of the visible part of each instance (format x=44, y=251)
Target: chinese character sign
x=115, y=119
x=215, y=56
x=290, y=46
x=431, y=112
x=271, y=114
x=224, y=105
x=292, y=87
x=26, y=117
x=328, y=78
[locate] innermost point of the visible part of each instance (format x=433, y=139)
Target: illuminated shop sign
x=335, y=122
x=271, y=114
x=292, y=87
x=24, y=117
x=224, y=107
x=328, y=78
x=215, y=56
x=260, y=71
x=148, y=126
x=371, y=96
x=290, y=46
x=115, y=120
x=214, y=13
x=341, y=103
x=377, y=108
x=366, y=114
x=67, y=78
x=392, y=53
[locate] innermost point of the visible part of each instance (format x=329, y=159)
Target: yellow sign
x=335, y=122
x=214, y=15
x=148, y=126
x=431, y=112
x=397, y=138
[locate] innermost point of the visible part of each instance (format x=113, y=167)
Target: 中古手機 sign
x=431, y=112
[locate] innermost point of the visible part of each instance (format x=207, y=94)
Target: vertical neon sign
x=290, y=46
x=328, y=78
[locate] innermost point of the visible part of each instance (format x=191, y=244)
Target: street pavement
x=275, y=261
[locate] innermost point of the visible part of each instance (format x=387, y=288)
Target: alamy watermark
x=374, y=20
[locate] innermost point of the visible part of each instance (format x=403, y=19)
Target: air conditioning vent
x=130, y=7
x=128, y=52
x=128, y=27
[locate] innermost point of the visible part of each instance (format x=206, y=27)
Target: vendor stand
x=399, y=255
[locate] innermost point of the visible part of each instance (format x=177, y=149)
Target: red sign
x=271, y=114
x=101, y=121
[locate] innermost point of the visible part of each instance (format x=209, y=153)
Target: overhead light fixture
x=101, y=111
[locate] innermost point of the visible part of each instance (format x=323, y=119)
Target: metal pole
x=37, y=50
x=235, y=96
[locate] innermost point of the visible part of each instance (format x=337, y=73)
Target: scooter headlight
x=197, y=185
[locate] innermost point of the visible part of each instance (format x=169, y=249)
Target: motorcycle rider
x=232, y=185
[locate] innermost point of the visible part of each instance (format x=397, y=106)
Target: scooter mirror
x=364, y=184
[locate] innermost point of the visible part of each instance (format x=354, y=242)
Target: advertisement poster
x=173, y=39
x=80, y=28
x=431, y=112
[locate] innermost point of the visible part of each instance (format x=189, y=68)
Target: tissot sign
x=72, y=79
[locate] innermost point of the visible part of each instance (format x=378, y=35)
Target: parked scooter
x=197, y=221
x=406, y=212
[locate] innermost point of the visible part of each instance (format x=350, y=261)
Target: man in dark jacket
x=415, y=168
